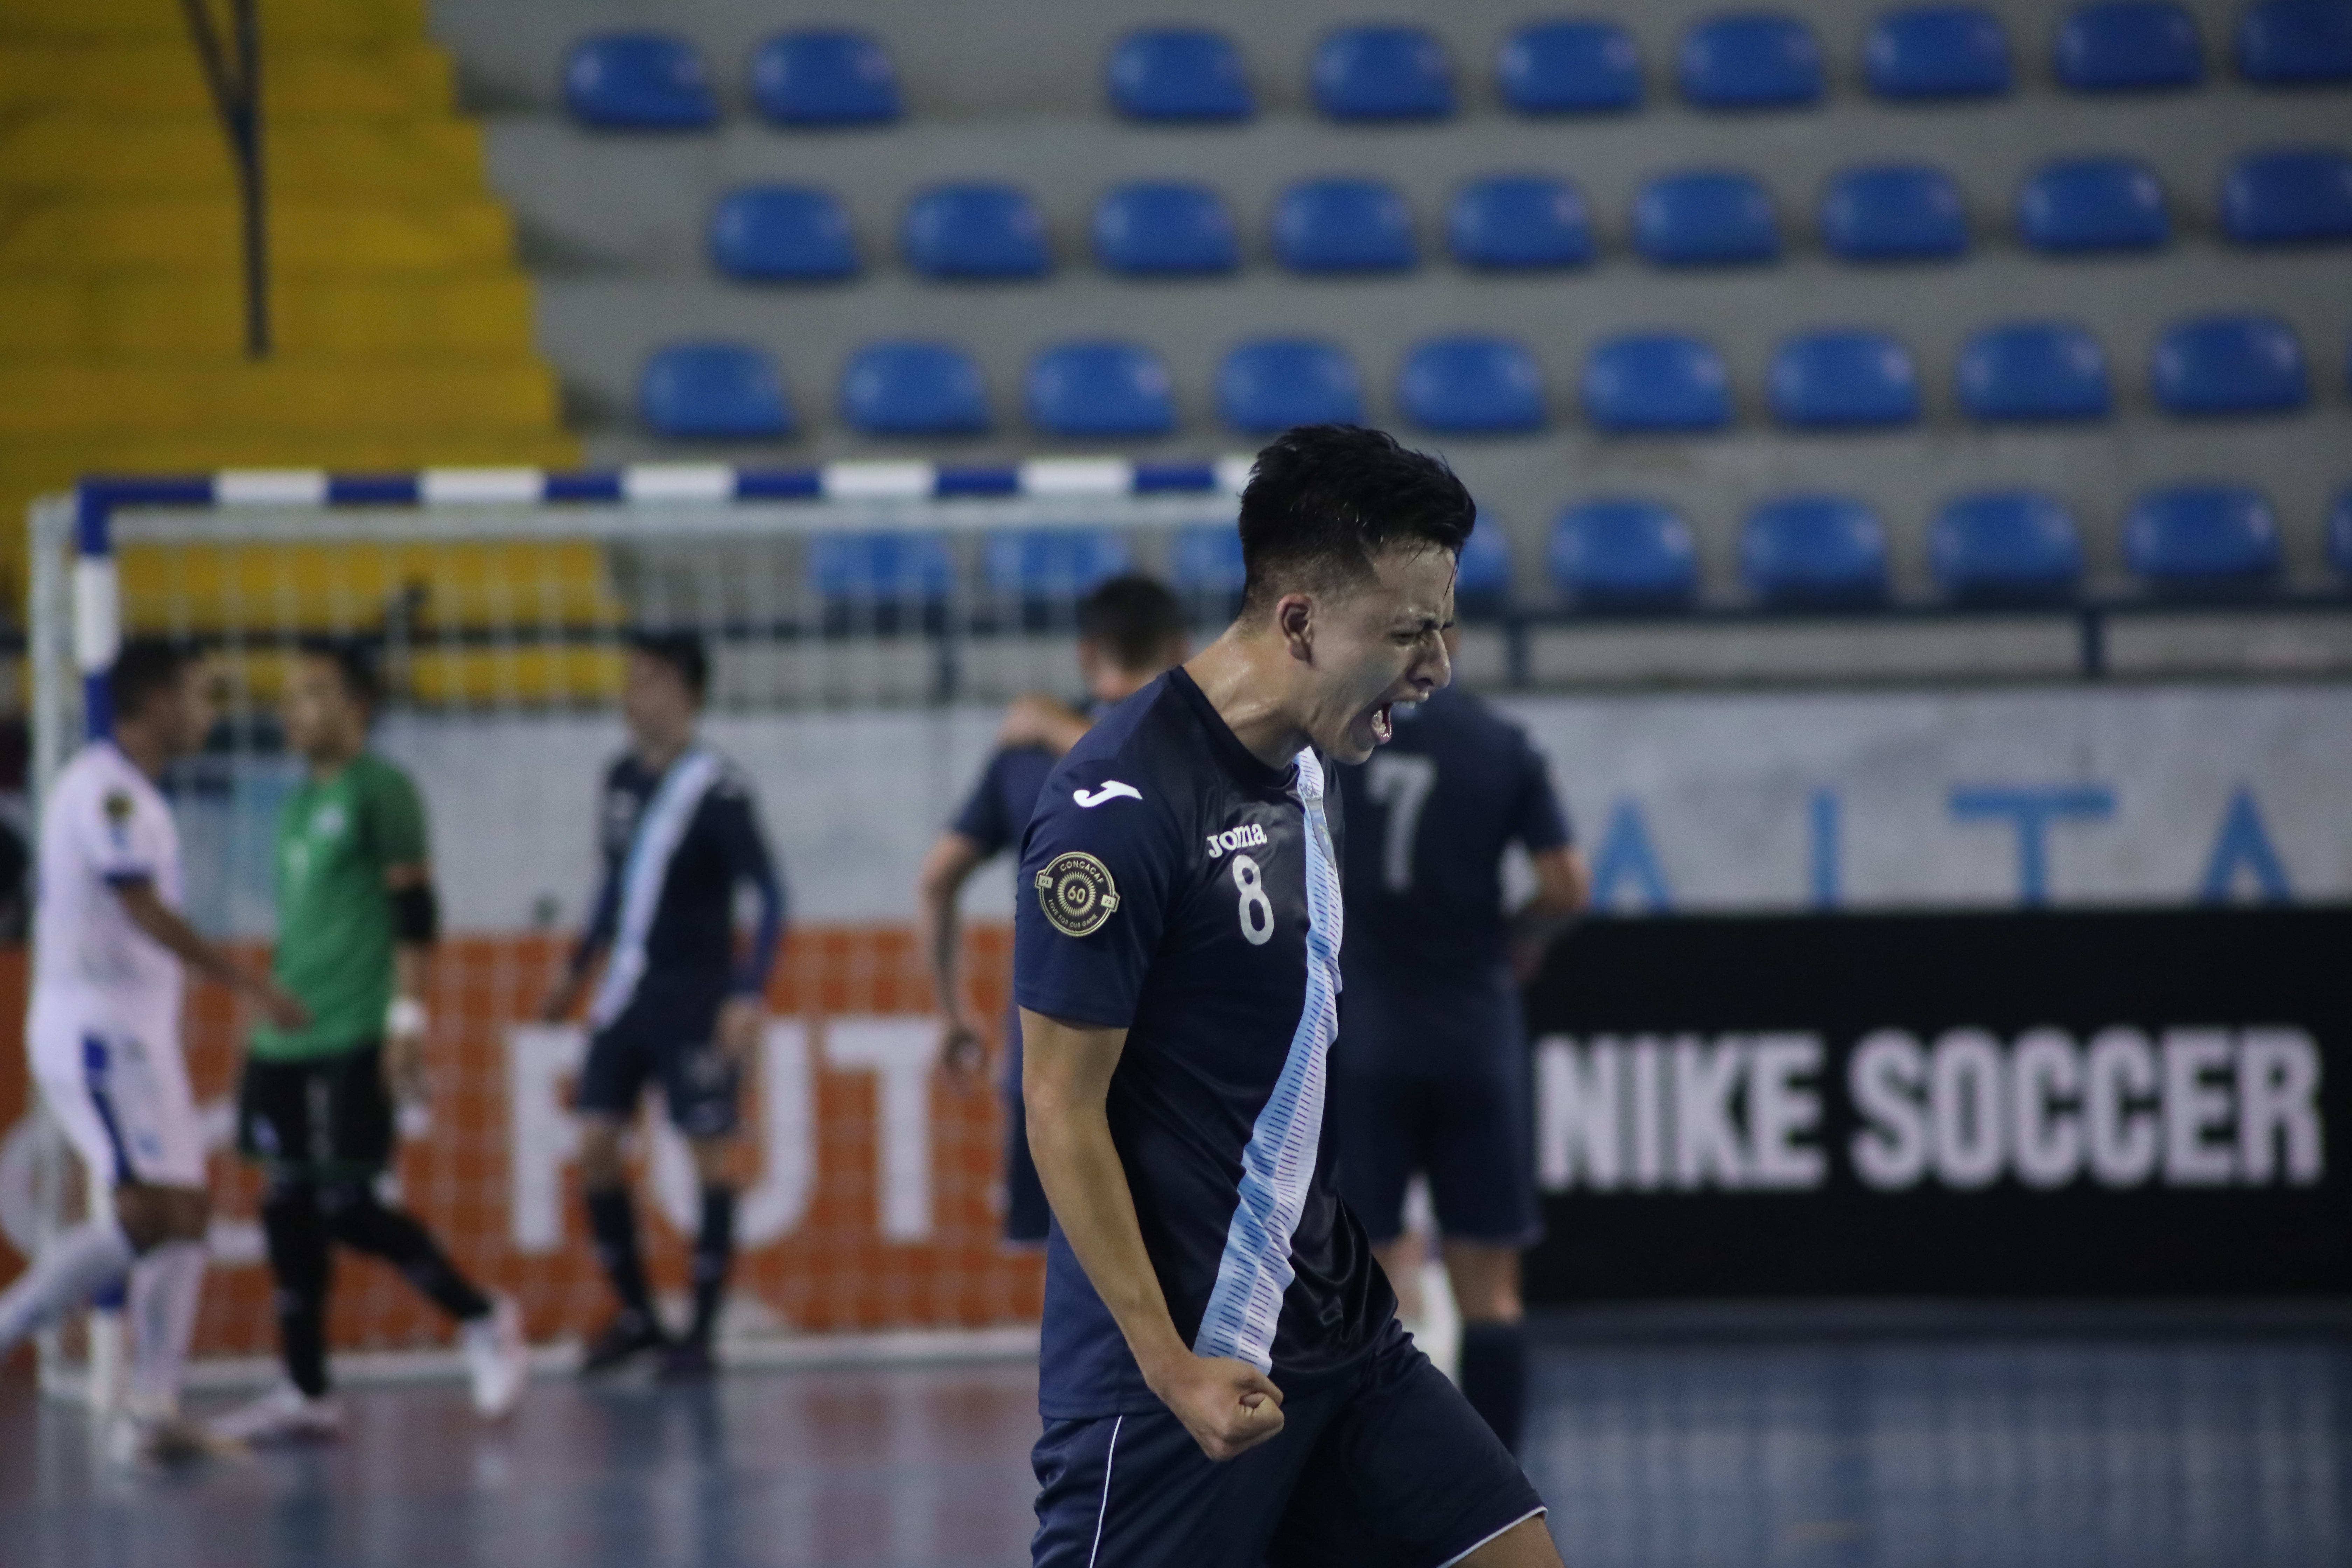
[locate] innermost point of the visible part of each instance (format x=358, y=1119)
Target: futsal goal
x=867, y=622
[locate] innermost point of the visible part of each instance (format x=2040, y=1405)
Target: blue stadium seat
x=1705, y=217
x=1052, y=563
x=1751, y=59
x=1272, y=384
x=1621, y=554
x=764, y=234
x=713, y=392
x=1205, y=568
x=1179, y=74
x=1484, y=577
x=976, y=231
x=1648, y=381
x=911, y=388
x=1519, y=221
x=1814, y=552
x=865, y=570
x=1844, y=379
x=1472, y=386
x=2198, y=541
x=1937, y=51
x=2236, y=363
x=1165, y=227
x=2339, y=533
x=1574, y=67
x=1344, y=224
x=638, y=81
x=1382, y=73
x=2074, y=205
x=2129, y=45
x=2296, y=43
x=2288, y=195
x=824, y=76
x=2033, y=372
x=1100, y=389
x=2006, y=547
x=1893, y=212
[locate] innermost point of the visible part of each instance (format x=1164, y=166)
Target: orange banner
x=871, y=1181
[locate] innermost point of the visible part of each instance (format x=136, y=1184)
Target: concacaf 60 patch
x=1077, y=893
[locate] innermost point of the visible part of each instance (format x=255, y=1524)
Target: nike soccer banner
x=2054, y=1104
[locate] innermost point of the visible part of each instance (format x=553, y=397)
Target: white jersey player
x=108, y=943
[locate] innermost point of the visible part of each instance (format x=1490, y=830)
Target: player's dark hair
x=1134, y=619
x=1325, y=501
x=682, y=651
x=355, y=668
x=143, y=667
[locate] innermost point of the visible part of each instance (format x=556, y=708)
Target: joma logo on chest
x=1249, y=835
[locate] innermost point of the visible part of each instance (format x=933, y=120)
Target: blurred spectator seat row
x=1631, y=554
x=1699, y=218
x=2028, y=372
x=1735, y=61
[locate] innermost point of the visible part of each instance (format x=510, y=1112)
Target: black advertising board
x=2015, y=1104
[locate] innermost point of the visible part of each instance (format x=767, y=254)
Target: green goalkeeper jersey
x=336, y=839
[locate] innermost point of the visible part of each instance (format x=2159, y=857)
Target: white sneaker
x=162, y=1439
x=283, y=1416
x=498, y=1357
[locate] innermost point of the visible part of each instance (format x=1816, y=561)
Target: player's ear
x=1294, y=617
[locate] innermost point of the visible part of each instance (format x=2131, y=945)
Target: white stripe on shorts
x=1103, y=1513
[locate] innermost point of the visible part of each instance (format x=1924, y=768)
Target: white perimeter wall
x=1716, y=802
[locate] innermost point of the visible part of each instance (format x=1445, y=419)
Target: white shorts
x=122, y=1094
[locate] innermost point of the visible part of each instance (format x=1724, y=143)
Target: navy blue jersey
x=676, y=845
x=1173, y=885
x=998, y=808
x=1431, y=813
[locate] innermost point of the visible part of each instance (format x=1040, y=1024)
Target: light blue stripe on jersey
x=659, y=831
x=1279, y=1160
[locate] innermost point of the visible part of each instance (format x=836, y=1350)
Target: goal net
x=867, y=622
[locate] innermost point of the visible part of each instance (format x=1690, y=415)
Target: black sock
x=612, y=1223
x=714, y=1251
x=1494, y=1375
x=300, y=1265
x=360, y=1222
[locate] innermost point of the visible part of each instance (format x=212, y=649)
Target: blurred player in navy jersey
x=679, y=1002
x=1431, y=1071
x=1221, y=1374
x=1130, y=629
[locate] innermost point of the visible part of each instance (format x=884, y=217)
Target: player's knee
x=714, y=1160
x=599, y=1152
x=141, y=1213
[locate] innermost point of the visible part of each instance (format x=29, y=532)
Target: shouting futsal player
x=1223, y=1377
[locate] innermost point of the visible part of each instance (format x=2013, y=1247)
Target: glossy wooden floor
x=2071, y=1451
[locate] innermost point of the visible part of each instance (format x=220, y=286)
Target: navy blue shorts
x=1385, y=1466
x=1437, y=1083
x=673, y=1042
x=1026, y=1214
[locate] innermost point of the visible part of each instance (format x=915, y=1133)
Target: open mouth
x=1383, y=724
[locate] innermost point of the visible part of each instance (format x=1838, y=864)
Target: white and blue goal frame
x=76, y=622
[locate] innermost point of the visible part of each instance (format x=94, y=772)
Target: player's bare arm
x=1228, y=1405
x=1563, y=888
x=1035, y=720
x=166, y=926
x=951, y=863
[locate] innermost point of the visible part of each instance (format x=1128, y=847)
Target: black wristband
x=415, y=915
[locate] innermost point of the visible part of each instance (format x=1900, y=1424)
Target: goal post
x=865, y=622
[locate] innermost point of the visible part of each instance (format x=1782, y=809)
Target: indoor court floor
x=1852, y=1451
